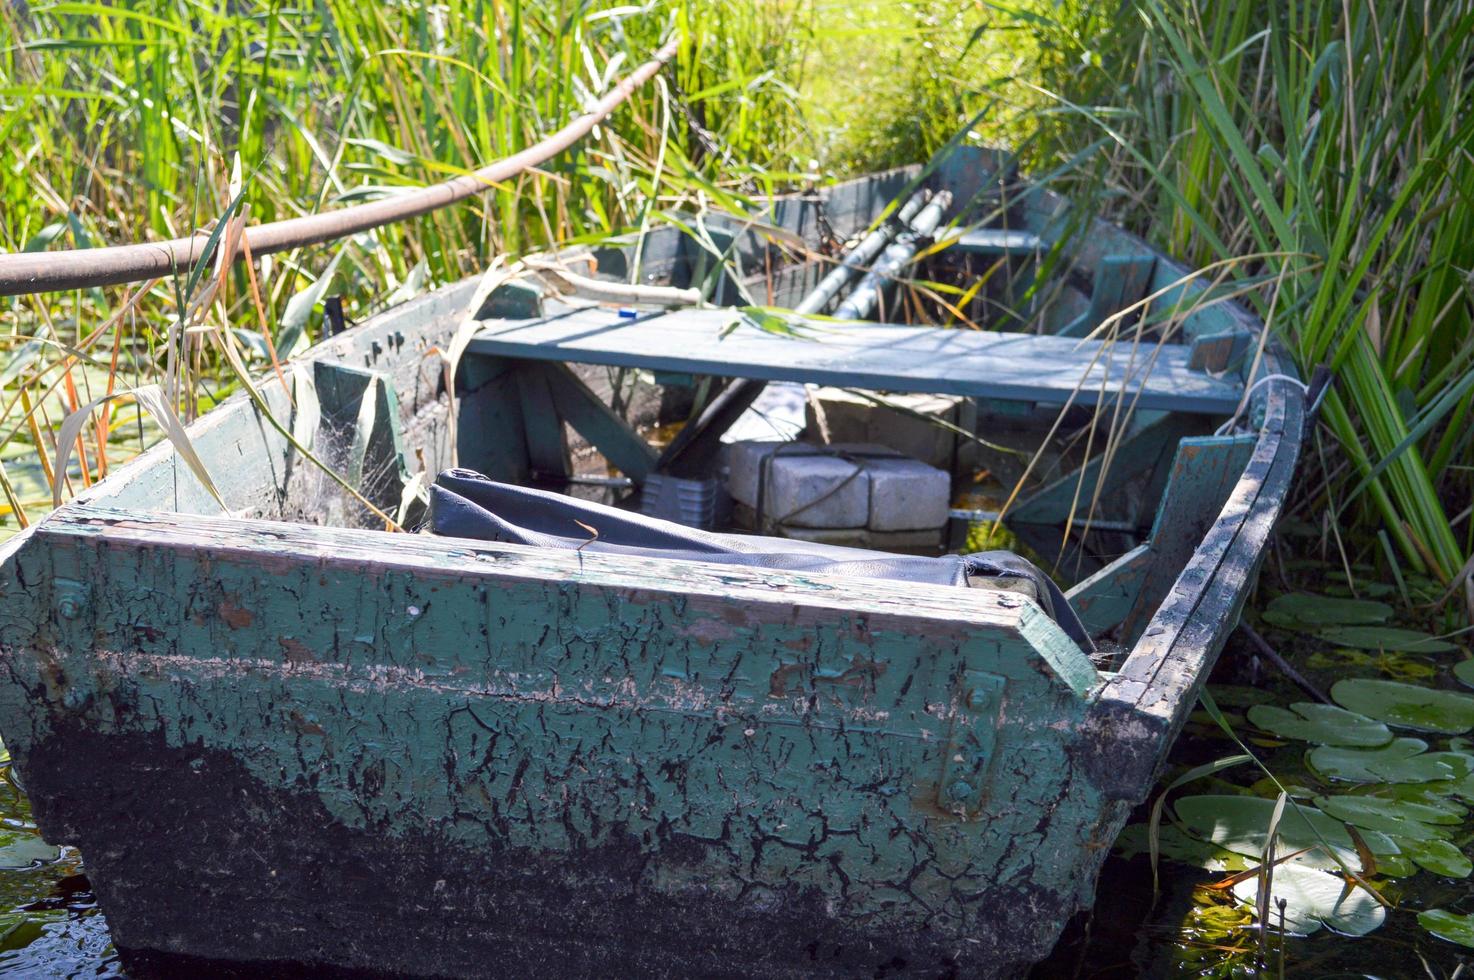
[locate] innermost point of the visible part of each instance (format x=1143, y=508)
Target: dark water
x=51, y=926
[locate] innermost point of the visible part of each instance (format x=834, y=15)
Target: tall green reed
x=1334, y=139
x=121, y=124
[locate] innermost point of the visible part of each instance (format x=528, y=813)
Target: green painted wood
x=1120, y=280
x=576, y=404
x=491, y=436
x=360, y=431
x=511, y=738
x=708, y=263
x=1121, y=498
x=1105, y=599
x=1205, y=472
x=766, y=749
x=884, y=357
x=547, y=444
x=1146, y=703
x=1220, y=352
x=515, y=299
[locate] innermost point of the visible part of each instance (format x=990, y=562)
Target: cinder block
x=907, y=495
x=817, y=491
x=908, y=427
x=846, y=485
x=744, y=464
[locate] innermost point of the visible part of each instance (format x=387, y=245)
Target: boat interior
x=975, y=367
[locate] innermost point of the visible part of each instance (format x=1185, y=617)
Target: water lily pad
x=1396, y=865
x=1303, y=611
x=1239, y=824
x=1403, y=760
x=1346, y=662
x=1314, y=899
x=1436, y=795
x=22, y=849
x=1464, y=671
x=1438, y=856
x=1396, y=818
x=1325, y=724
x=1385, y=638
x=1424, y=709
x=1449, y=925
x=1174, y=845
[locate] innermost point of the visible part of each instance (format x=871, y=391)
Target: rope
x=1223, y=429
x=41, y=272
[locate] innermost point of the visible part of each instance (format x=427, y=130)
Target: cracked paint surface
x=782, y=746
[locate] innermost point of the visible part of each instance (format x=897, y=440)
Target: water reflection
x=50, y=925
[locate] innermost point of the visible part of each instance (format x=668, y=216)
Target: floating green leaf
x=1464, y=671
x=1424, y=709
x=1385, y=638
x=1322, y=723
x=1396, y=818
x=1438, y=856
x=1303, y=611
x=23, y=849
x=1174, y=845
x=1314, y=899
x=1396, y=865
x=1435, y=795
x=1404, y=760
x=1239, y=824
x=1448, y=925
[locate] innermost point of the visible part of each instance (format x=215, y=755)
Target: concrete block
x=817, y=491
x=744, y=464
x=907, y=495
x=805, y=486
x=850, y=418
x=846, y=485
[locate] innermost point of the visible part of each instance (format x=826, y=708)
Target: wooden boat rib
x=281, y=735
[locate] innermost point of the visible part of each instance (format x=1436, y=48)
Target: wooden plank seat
x=879, y=356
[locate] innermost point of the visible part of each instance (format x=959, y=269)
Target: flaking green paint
x=504, y=702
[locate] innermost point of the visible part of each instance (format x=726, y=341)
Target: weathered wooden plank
x=885, y=357
x=1120, y=280
x=1220, y=352
x=595, y=421
x=360, y=431
x=547, y=446
x=1105, y=599
x=1205, y=472
x=1121, y=497
x=494, y=730
x=1142, y=707
x=491, y=437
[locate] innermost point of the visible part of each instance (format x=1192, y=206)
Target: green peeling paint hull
x=278, y=741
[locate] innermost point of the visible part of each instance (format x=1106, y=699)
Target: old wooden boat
x=279, y=733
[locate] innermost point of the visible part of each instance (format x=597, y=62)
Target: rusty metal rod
x=42, y=272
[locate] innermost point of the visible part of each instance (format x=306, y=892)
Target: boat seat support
x=1120, y=281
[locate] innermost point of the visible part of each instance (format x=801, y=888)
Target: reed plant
x=121, y=124
x=1329, y=142
x=1333, y=142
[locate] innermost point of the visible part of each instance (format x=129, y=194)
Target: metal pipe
x=736, y=398
x=40, y=272
x=859, y=257
x=865, y=297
